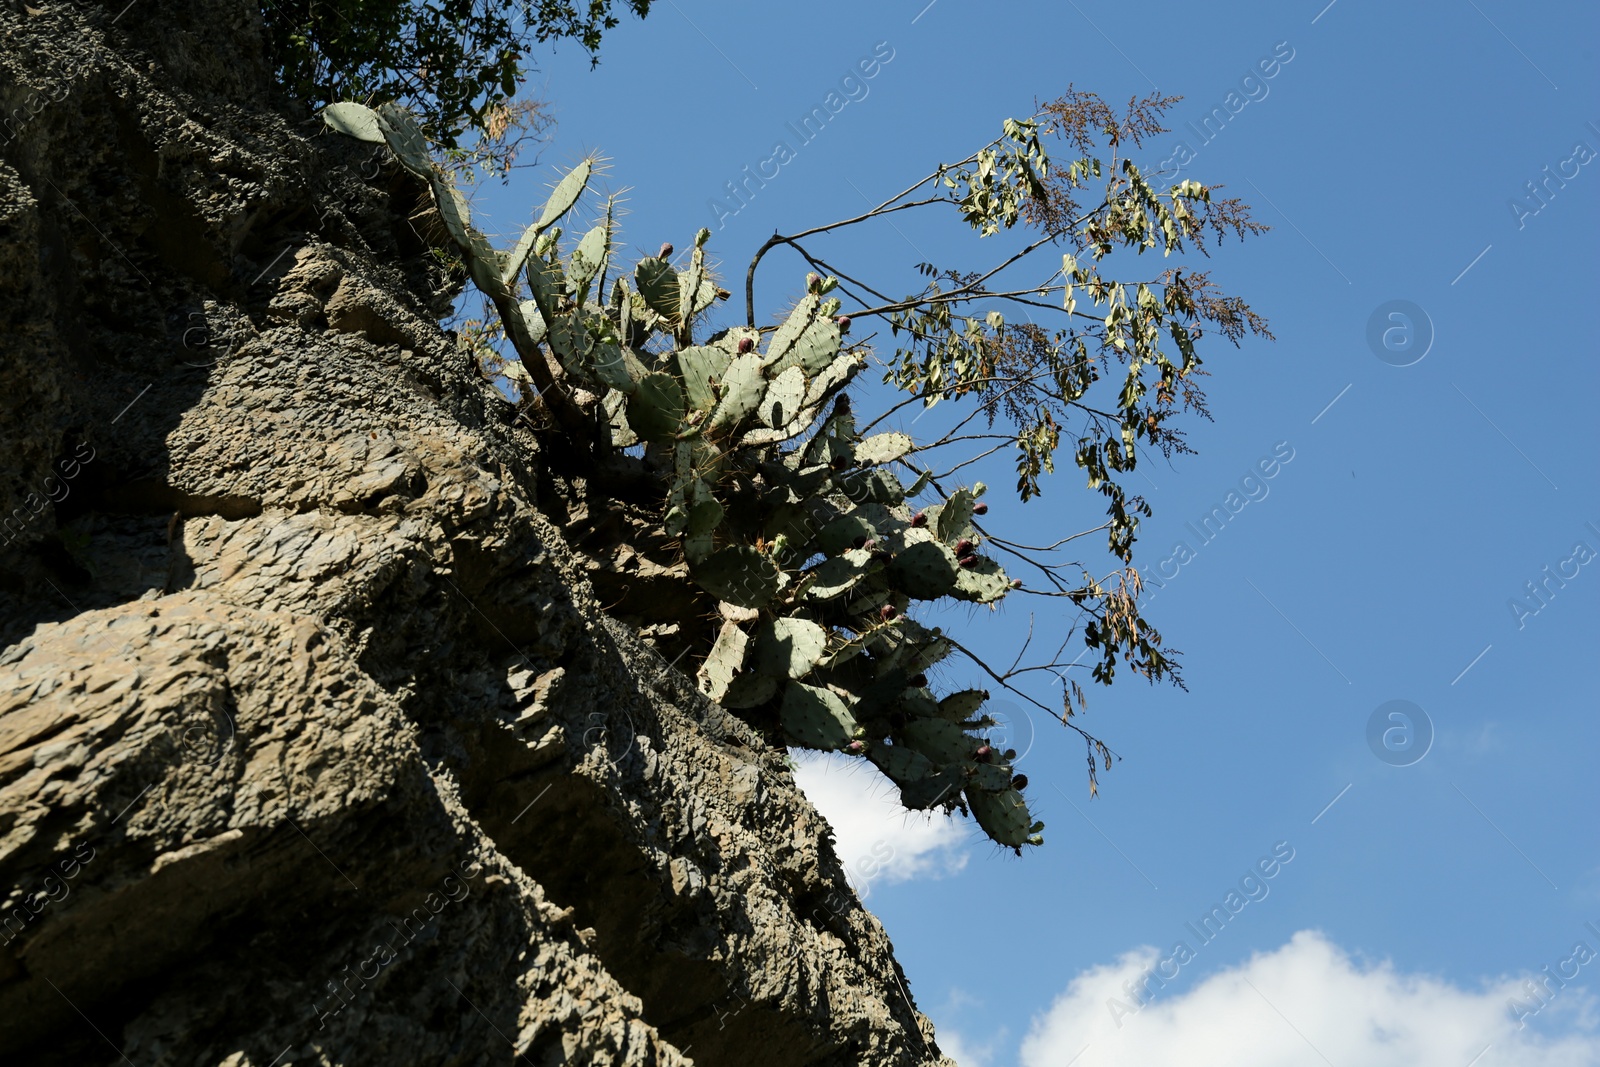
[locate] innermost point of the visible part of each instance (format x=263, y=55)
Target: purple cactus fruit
x=844, y=323
x=917, y=681
x=920, y=519
x=1010, y=754
x=666, y=251
x=968, y=562
x=980, y=508
x=746, y=344
x=887, y=612
x=963, y=547
x=1019, y=782
x=855, y=748
x=983, y=753
x=869, y=543
x=813, y=280
x=1016, y=583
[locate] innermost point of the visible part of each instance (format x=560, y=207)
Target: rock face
x=315, y=745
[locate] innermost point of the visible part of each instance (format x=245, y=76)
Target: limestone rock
x=316, y=746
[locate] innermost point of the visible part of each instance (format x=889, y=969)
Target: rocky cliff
x=316, y=746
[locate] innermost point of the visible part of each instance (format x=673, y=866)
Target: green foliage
x=790, y=516
x=456, y=64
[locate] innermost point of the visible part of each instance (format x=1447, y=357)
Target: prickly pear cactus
x=785, y=514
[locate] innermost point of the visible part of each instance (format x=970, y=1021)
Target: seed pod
x=666, y=251
x=920, y=519
x=1019, y=782
x=746, y=344
x=980, y=508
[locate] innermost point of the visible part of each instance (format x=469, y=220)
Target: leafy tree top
x=455, y=64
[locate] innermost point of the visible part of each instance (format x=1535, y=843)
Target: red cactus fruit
x=844, y=323
x=980, y=508
x=887, y=612
x=920, y=519
x=1016, y=583
x=869, y=543
x=855, y=748
x=963, y=547
x=813, y=280
x=968, y=562
x=666, y=251
x=983, y=753
x=746, y=344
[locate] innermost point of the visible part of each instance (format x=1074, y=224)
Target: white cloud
x=878, y=841
x=953, y=1045
x=1308, y=1003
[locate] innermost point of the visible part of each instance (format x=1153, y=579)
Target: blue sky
x=1392, y=154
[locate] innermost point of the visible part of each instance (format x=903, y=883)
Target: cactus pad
x=727, y=656
x=740, y=575
x=699, y=367
x=789, y=647
x=816, y=718
x=1003, y=816
x=926, y=570
x=655, y=410
x=353, y=120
